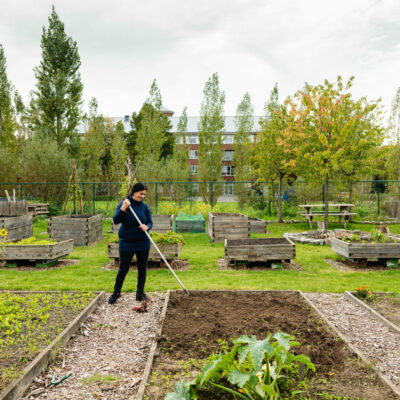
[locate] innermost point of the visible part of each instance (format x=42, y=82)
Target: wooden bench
x=344, y=215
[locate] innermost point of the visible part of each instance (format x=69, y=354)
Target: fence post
x=378, y=187
x=156, y=196
x=323, y=193
x=94, y=199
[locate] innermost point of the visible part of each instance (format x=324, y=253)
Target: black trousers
x=125, y=259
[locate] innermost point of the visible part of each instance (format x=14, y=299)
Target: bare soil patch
x=387, y=304
x=257, y=266
x=347, y=265
x=31, y=266
x=200, y=324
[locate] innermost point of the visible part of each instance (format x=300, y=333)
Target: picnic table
x=342, y=210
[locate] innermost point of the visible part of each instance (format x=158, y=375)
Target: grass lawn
x=89, y=272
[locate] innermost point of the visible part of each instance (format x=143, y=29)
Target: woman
x=133, y=240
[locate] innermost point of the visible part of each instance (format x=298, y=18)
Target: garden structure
x=170, y=252
x=13, y=208
x=38, y=208
x=366, y=249
x=223, y=226
x=84, y=229
x=41, y=254
x=190, y=223
x=257, y=225
x=205, y=323
x=340, y=210
x=17, y=227
x=259, y=250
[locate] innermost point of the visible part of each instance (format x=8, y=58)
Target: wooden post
x=7, y=195
x=14, y=200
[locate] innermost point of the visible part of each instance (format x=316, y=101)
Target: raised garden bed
x=223, y=226
x=46, y=253
x=33, y=327
x=85, y=230
x=361, y=251
x=11, y=208
x=257, y=225
x=262, y=249
x=17, y=227
x=203, y=323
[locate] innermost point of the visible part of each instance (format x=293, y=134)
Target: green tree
x=211, y=126
x=55, y=107
x=7, y=111
x=394, y=132
x=274, y=155
x=324, y=121
x=118, y=154
x=242, y=147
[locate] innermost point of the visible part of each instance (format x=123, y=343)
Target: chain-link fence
x=371, y=199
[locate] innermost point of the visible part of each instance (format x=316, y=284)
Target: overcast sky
x=125, y=44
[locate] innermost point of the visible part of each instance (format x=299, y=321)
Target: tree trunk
x=280, y=199
x=351, y=200
x=326, y=191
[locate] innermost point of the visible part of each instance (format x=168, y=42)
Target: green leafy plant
x=379, y=237
x=32, y=240
x=3, y=239
x=252, y=370
x=168, y=237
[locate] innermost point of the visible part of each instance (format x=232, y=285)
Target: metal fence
x=372, y=199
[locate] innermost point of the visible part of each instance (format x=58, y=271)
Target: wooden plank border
x=154, y=349
x=354, y=349
x=17, y=387
x=394, y=328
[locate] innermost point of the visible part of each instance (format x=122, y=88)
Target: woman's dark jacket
x=131, y=237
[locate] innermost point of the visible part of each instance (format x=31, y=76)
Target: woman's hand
x=125, y=205
x=144, y=227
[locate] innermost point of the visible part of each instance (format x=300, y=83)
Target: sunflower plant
x=3, y=239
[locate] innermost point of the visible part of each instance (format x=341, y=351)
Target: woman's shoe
x=113, y=298
x=143, y=297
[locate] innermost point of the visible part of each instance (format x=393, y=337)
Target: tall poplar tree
x=241, y=157
x=7, y=117
x=55, y=108
x=211, y=126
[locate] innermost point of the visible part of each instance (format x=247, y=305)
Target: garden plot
x=29, y=322
x=203, y=323
x=107, y=357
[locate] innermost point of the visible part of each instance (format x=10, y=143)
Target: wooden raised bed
x=358, y=252
x=38, y=208
x=85, y=230
x=223, y=226
x=170, y=251
x=257, y=225
x=264, y=249
x=44, y=253
x=19, y=227
x=162, y=223
x=10, y=208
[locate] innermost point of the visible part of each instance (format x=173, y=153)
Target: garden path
x=107, y=356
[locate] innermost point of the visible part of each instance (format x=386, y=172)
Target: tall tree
x=274, y=155
x=244, y=122
x=55, y=107
x=118, y=154
x=7, y=117
x=324, y=124
x=394, y=131
x=211, y=126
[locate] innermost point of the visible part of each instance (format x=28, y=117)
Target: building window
x=195, y=188
x=193, y=155
x=227, y=139
x=193, y=139
x=227, y=189
x=227, y=170
x=228, y=155
x=194, y=169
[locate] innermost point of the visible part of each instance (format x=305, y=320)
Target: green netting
x=187, y=217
